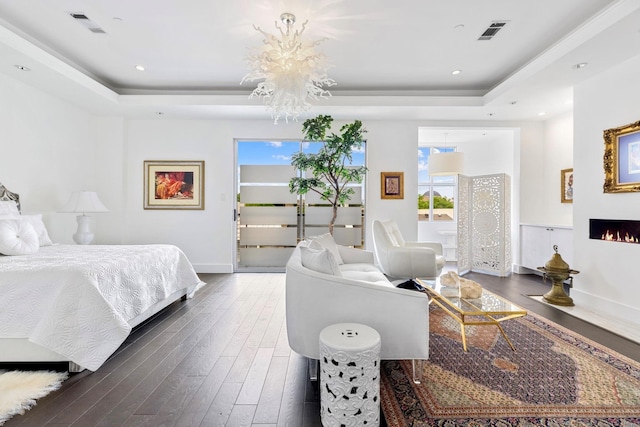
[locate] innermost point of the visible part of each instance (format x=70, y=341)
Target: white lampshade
x=446, y=163
x=83, y=202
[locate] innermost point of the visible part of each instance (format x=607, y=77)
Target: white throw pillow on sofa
x=320, y=260
x=327, y=242
x=17, y=238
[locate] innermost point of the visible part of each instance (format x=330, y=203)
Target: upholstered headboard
x=5, y=194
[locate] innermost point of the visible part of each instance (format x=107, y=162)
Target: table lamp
x=84, y=202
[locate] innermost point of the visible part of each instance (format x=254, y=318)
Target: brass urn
x=558, y=271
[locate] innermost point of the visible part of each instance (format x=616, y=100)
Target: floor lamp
x=84, y=202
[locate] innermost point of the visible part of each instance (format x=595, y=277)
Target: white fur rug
x=20, y=389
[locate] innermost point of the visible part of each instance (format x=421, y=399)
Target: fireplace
x=615, y=230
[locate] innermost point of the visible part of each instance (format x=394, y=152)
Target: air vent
x=86, y=22
x=492, y=30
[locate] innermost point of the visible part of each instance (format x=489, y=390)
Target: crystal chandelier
x=293, y=71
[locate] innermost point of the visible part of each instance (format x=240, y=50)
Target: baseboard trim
x=213, y=268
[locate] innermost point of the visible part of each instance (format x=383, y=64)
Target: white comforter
x=78, y=300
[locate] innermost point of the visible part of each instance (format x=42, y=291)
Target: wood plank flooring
x=222, y=359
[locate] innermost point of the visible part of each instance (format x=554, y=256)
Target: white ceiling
x=391, y=60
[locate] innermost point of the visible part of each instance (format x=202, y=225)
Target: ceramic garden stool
x=350, y=376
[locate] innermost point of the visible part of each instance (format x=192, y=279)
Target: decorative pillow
x=327, y=242
x=41, y=230
x=321, y=261
x=36, y=221
x=17, y=238
x=8, y=207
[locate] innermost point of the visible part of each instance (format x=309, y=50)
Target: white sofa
x=358, y=293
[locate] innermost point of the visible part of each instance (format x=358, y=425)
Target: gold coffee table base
x=489, y=309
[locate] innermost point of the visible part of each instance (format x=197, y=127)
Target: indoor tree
x=330, y=167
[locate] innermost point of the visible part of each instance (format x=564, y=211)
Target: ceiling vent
x=492, y=30
x=88, y=23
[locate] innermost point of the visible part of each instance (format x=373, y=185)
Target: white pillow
x=41, y=230
x=36, y=221
x=321, y=261
x=327, y=242
x=17, y=238
x=8, y=207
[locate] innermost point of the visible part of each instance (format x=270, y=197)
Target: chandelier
x=293, y=71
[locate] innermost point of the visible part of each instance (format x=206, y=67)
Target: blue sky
x=278, y=152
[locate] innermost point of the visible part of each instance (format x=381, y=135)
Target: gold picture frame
x=174, y=184
x=392, y=185
x=566, y=185
x=622, y=159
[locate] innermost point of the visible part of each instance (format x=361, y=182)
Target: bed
x=77, y=304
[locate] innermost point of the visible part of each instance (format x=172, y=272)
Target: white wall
x=607, y=279
x=558, y=155
x=48, y=148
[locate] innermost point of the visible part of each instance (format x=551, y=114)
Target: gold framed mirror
x=622, y=159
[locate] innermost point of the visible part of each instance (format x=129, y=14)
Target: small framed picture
x=566, y=185
x=392, y=185
x=170, y=184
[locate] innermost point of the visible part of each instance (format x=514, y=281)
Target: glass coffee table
x=489, y=309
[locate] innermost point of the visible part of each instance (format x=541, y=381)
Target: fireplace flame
x=618, y=238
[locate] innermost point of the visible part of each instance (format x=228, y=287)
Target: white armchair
x=405, y=259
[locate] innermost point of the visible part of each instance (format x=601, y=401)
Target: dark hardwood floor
x=222, y=359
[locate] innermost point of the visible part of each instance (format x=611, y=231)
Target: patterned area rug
x=554, y=378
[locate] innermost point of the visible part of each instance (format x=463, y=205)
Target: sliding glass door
x=270, y=219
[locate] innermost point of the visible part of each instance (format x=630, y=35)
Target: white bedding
x=77, y=300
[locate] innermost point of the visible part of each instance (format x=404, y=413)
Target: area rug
x=554, y=378
x=20, y=389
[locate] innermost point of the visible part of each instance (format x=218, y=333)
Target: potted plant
x=331, y=166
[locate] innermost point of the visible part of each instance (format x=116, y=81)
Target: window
x=436, y=194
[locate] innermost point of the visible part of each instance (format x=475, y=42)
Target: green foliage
x=439, y=202
x=331, y=167
x=422, y=202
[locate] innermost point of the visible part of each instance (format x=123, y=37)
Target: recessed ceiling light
x=456, y=72
x=580, y=65
x=140, y=67
x=542, y=113
x=22, y=67
x=459, y=27
x=160, y=113
x=513, y=102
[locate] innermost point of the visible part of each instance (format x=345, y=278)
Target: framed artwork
x=566, y=185
x=173, y=184
x=622, y=159
x=392, y=185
